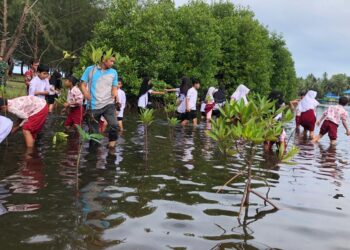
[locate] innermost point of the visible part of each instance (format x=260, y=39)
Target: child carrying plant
x=32, y=112
x=74, y=103
x=331, y=119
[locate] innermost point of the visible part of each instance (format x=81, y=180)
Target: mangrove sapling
x=59, y=137
x=242, y=129
x=147, y=118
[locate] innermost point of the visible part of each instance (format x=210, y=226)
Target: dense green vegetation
x=218, y=43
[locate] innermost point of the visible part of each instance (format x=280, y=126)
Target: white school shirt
x=36, y=84
x=192, y=95
x=122, y=101
x=143, y=100
x=5, y=127
x=182, y=106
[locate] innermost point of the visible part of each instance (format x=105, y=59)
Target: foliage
x=59, y=137
x=147, y=117
x=173, y=121
x=242, y=128
x=215, y=43
x=62, y=98
x=85, y=136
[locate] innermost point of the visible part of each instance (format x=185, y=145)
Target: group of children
x=32, y=110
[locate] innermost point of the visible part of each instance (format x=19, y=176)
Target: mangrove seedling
x=242, y=129
x=147, y=118
x=59, y=137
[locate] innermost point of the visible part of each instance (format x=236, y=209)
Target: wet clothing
x=35, y=123
x=335, y=114
x=75, y=116
x=308, y=120
x=331, y=128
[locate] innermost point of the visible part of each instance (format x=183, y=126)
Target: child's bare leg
x=184, y=122
x=316, y=138
x=312, y=134
x=195, y=123
x=305, y=133
x=28, y=138
x=50, y=108
x=333, y=142
x=120, y=124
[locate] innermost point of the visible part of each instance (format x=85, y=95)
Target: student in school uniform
x=145, y=91
x=330, y=120
x=32, y=112
x=307, y=108
x=191, y=104
x=241, y=94
x=39, y=86
x=122, y=101
x=5, y=127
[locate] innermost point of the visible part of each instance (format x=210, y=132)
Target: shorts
x=308, y=120
x=191, y=115
x=120, y=118
x=209, y=107
x=51, y=99
x=216, y=112
x=35, y=123
x=181, y=116
x=75, y=116
x=331, y=128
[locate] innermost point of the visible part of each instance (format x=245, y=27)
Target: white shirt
x=192, y=95
x=143, y=100
x=5, y=127
x=36, y=84
x=182, y=106
x=122, y=100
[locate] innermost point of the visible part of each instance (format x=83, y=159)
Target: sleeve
x=77, y=96
x=189, y=94
x=115, y=79
x=343, y=116
x=324, y=115
x=85, y=76
x=31, y=89
x=150, y=91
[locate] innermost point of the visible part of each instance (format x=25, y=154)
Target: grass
x=15, y=87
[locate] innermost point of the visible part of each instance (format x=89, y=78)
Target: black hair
x=144, y=86
x=73, y=80
x=220, y=95
x=277, y=96
x=55, y=79
x=302, y=93
x=195, y=81
x=343, y=100
x=185, y=85
x=120, y=79
x=3, y=102
x=43, y=68
x=204, y=94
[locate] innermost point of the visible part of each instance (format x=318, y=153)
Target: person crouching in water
x=32, y=112
x=307, y=108
x=277, y=97
x=74, y=103
x=331, y=119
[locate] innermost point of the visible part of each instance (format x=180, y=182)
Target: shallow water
x=166, y=199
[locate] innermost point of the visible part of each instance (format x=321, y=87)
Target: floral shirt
x=75, y=97
x=335, y=114
x=26, y=106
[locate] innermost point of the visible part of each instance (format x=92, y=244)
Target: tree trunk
x=19, y=30
x=4, y=31
x=22, y=66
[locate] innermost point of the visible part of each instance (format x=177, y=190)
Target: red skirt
x=297, y=120
x=308, y=120
x=208, y=107
x=75, y=116
x=331, y=128
x=36, y=122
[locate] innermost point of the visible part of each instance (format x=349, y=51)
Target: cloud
x=316, y=31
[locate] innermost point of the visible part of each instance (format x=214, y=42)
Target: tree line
x=335, y=84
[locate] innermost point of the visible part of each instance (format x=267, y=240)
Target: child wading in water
x=191, y=104
x=40, y=85
x=241, y=93
x=74, y=103
x=32, y=111
x=331, y=119
x=307, y=109
x=294, y=105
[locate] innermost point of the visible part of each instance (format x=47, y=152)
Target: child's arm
x=157, y=93
x=322, y=118
x=85, y=91
x=346, y=127
x=293, y=104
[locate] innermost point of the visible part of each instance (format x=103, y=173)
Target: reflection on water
x=116, y=199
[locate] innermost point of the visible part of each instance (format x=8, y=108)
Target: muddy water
x=166, y=199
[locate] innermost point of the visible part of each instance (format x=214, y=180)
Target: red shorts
x=36, y=122
x=308, y=120
x=331, y=128
x=297, y=120
x=75, y=116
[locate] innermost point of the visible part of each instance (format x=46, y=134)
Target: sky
x=317, y=32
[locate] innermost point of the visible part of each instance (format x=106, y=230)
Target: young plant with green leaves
x=147, y=118
x=241, y=129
